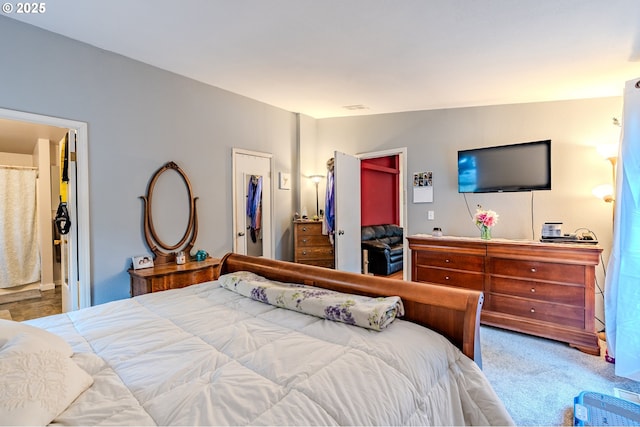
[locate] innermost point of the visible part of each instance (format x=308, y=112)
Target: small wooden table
x=173, y=276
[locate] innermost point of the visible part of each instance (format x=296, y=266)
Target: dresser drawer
x=327, y=263
x=173, y=276
x=452, y=261
x=444, y=276
x=563, y=294
x=309, y=228
x=537, y=270
x=306, y=240
x=318, y=252
x=571, y=316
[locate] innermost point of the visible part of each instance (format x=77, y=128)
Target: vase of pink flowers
x=485, y=219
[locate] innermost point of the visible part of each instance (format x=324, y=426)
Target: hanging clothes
x=329, y=219
x=622, y=293
x=254, y=206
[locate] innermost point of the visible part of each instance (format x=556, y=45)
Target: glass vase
x=485, y=233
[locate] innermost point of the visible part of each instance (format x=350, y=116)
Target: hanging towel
x=20, y=247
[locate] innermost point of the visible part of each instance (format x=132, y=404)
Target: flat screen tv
x=515, y=167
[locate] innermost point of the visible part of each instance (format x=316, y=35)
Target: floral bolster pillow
x=367, y=312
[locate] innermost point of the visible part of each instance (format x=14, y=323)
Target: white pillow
x=10, y=328
x=38, y=379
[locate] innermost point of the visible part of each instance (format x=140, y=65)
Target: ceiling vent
x=355, y=107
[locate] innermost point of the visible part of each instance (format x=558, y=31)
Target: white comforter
x=204, y=355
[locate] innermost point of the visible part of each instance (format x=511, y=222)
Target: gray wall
x=433, y=138
x=140, y=117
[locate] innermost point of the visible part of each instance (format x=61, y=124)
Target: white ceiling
x=318, y=56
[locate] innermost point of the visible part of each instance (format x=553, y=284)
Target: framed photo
x=285, y=181
x=142, y=261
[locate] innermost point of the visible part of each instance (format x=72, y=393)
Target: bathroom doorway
x=20, y=132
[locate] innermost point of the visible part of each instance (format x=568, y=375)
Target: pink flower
x=485, y=218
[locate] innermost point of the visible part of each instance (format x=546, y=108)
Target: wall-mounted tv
x=515, y=167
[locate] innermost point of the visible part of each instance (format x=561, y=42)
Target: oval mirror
x=162, y=198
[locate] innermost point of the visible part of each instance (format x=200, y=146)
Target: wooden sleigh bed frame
x=452, y=312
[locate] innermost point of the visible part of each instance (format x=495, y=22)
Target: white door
x=248, y=166
x=346, y=175
x=69, y=241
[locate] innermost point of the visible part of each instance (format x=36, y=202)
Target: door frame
x=234, y=200
x=82, y=298
x=404, y=218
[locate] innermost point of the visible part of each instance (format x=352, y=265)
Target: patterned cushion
x=366, y=312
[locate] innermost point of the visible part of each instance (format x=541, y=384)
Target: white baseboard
x=47, y=286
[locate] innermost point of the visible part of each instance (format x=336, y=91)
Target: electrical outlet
x=431, y=215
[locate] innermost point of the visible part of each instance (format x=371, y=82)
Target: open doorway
x=252, y=203
x=383, y=194
x=348, y=218
x=28, y=138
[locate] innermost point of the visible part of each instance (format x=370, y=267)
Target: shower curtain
x=19, y=246
x=622, y=288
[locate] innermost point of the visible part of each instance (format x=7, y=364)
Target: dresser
x=311, y=246
x=542, y=289
x=172, y=276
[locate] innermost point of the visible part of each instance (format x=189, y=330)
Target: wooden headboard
x=453, y=312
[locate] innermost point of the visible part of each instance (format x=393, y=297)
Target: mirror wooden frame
x=165, y=253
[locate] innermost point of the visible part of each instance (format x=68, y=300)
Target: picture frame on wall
x=423, y=187
x=284, y=182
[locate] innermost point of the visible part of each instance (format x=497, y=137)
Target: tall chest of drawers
x=542, y=289
x=311, y=246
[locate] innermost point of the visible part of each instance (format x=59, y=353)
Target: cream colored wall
x=433, y=139
x=42, y=160
x=15, y=159
x=310, y=164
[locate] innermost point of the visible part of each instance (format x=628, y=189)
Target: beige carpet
x=5, y=314
x=537, y=378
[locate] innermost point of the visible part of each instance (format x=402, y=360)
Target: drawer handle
x=304, y=240
x=304, y=228
x=533, y=310
x=446, y=277
x=446, y=260
x=304, y=252
x=533, y=290
x=533, y=269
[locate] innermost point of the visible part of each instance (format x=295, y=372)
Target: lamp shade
x=604, y=192
x=608, y=151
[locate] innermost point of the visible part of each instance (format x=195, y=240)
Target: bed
x=207, y=354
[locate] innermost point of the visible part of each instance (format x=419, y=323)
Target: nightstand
x=173, y=276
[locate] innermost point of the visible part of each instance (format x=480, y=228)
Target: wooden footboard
x=453, y=312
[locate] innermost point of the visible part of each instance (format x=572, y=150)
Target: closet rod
x=19, y=167
x=22, y=168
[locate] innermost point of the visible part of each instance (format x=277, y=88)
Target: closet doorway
x=252, y=203
x=76, y=289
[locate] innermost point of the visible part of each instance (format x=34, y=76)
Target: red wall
x=380, y=201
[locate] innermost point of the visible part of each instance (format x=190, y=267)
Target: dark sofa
x=385, y=247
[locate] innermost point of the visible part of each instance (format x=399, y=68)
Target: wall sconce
x=607, y=192
x=316, y=180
